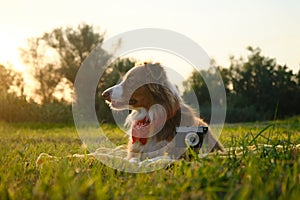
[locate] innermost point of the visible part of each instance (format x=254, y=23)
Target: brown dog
x=157, y=109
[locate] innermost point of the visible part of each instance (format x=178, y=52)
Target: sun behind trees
x=53, y=60
x=55, y=57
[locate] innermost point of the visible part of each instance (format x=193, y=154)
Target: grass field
x=268, y=173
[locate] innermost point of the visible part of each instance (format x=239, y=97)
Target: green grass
x=268, y=173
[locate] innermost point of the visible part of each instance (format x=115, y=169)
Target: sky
x=221, y=27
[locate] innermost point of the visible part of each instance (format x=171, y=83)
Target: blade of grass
x=259, y=133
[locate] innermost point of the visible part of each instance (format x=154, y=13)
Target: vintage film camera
x=191, y=136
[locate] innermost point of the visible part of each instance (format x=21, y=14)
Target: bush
x=17, y=109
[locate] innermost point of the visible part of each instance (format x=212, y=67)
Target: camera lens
x=192, y=139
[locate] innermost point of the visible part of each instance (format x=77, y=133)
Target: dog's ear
x=155, y=71
x=154, y=88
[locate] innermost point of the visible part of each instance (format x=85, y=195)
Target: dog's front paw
x=133, y=160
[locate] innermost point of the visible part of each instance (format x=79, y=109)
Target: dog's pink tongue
x=141, y=128
x=142, y=123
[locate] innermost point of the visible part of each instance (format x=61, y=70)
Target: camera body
x=190, y=136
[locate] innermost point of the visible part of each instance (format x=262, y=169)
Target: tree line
x=257, y=87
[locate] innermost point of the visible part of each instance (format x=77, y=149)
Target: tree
x=11, y=93
x=261, y=82
x=73, y=45
x=44, y=69
x=6, y=78
x=112, y=75
x=11, y=81
x=257, y=88
x=197, y=85
x=55, y=57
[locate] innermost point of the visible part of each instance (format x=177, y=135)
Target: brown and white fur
x=146, y=91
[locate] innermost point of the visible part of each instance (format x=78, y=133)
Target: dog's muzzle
x=113, y=93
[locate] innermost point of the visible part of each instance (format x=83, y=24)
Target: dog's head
x=142, y=87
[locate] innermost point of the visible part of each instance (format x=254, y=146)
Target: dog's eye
x=132, y=101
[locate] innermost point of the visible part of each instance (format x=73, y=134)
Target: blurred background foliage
x=257, y=88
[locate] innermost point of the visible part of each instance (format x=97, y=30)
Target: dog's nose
x=106, y=95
